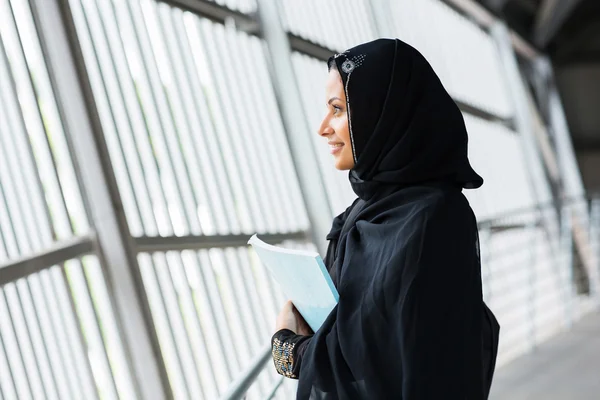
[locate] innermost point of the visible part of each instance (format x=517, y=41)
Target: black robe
x=411, y=322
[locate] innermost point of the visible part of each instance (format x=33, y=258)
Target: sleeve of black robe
x=287, y=350
x=416, y=333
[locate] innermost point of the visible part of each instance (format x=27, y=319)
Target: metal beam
x=497, y=228
x=522, y=47
x=238, y=389
x=483, y=114
x=281, y=69
x=309, y=48
x=275, y=389
x=322, y=53
x=551, y=16
x=557, y=120
x=75, y=101
x=57, y=254
x=495, y=5
x=218, y=13
x=474, y=11
x=486, y=20
x=524, y=120
x=148, y=244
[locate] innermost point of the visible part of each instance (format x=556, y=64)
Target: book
x=303, y=278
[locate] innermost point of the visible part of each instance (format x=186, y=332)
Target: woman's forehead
x=334, y=83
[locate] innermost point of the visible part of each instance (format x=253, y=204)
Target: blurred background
x=142, y=142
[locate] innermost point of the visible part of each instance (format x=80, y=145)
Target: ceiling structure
x=567, y=29
x=569, y=32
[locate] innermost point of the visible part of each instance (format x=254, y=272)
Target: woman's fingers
x=303, y=327
x=288, y=306
x=290, y=318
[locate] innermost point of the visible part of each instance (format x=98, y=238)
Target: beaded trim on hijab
x=348, y=66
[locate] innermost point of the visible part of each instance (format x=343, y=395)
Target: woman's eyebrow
x=333, y=99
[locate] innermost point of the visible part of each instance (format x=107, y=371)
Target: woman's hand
x=290, y=318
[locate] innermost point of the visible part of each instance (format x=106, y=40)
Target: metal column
x=297, y=130
x=557, y=123
x=73, y=94
x=522, y=114
x=566, y=246
x=525, y=127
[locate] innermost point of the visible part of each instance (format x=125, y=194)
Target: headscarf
x=410, y=323
x=404, y=127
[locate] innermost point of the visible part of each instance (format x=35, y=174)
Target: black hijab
x=405, y=128
x=410, y=323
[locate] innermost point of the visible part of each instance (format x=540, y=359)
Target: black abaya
x=410, y=322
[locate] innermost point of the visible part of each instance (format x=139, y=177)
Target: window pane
x=193, y=153
x=40, y=201
x=335, y=26
x=59, y=337
x=202, y=301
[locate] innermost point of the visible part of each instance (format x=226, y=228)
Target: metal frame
x=496, y=5
x=572, y=182
x=273, y=392
x=58, y=253
x=556, y=121
x=594, y=233
x=320, y=52
x=551, y=221
x=550, y=17
x=149, y=244
x=289, y=99
x=380, y=14
x=307, y=47
x=522, y=115
x=486, y=20
x=115, y=246
x=72, y=90
x=239, y=387
x=217, y=13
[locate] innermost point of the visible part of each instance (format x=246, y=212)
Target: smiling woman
x=411, y=322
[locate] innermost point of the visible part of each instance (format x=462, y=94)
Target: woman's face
x=335, y=124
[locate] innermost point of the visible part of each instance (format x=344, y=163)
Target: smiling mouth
x=335, y=148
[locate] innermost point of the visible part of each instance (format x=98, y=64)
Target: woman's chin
x=343, y=165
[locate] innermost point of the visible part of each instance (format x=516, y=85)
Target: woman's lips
x=335, y=148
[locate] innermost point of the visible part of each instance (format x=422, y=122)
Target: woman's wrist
x=284, y=345
x=284, y=333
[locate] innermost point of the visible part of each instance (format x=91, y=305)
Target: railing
x=540, y=271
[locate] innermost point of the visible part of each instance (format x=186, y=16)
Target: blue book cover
x=303, y=278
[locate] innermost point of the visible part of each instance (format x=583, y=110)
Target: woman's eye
x=336, y=109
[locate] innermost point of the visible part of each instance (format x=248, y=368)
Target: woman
x=410, y=322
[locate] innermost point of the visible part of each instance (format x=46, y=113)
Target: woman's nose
x=325, y=129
